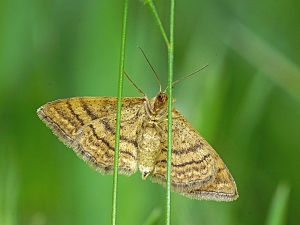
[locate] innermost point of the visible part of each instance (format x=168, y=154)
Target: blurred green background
x=246, y=104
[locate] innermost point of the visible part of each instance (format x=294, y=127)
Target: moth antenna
x=151, y=68
x=188, y=75
x=139, y=90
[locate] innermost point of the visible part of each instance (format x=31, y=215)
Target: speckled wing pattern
x=197, y=170
x=87, y=124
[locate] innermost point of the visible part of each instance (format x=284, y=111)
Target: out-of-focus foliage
x=246, y=104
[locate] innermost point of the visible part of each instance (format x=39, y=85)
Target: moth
x=88, y=124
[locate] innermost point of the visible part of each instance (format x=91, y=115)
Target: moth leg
x=148, y=107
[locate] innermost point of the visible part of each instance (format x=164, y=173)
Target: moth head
x=161, y=102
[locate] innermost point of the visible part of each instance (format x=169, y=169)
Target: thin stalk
x=118, y=122
x=170, y=81
x=156, y=17
x=170, y=46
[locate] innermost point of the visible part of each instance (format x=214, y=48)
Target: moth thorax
x=148, y=150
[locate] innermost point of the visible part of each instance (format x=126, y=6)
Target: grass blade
x=118, y=122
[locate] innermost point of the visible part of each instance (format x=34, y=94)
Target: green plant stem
x=170, y=46
x=156, y=17
x=170, y=103
x=118, y=122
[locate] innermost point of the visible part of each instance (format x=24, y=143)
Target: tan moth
x=87, y=125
